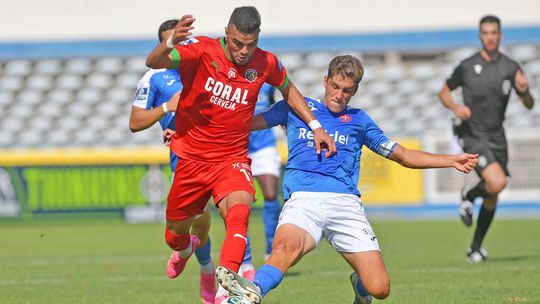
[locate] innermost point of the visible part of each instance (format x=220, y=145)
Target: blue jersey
x=155, y=88
x=307, y=171
x=264, y=138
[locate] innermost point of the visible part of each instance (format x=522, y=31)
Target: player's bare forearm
x=141, y=119
x=159, y=57
x=259, y=123
x=416, y=159
x=445, y=95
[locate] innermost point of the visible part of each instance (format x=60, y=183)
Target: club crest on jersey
x=250, y=75
x=477, y=68
x=232, y=73
x=345, y=118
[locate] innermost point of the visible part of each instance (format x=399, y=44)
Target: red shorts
x=194, y=183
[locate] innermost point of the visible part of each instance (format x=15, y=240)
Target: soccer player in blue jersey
x=156, y=99
x=321, y=194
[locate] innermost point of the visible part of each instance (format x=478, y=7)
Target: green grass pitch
x=108, y=261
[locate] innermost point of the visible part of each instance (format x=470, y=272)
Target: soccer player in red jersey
x=221, y=78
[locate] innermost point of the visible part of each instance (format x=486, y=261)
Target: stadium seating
x=63, y=102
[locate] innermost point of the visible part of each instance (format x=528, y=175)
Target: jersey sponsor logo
x=304, y=133
x=232, y=73
x=345, y=118
x=251, y=75
x=477, y=68
x=225, y=95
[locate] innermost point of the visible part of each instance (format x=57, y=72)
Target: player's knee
x=496, y=186
x=379, y=289
x=270, y=195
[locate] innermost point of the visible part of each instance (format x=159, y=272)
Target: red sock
x=234, y=245
x=177, y=242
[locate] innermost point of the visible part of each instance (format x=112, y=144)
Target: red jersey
x=214, y=114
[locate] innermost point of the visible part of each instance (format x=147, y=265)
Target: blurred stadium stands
x=85, y=101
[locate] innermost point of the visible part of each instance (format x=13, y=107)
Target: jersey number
x=248, y=177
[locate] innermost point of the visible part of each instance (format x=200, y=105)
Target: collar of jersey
x=222, y=41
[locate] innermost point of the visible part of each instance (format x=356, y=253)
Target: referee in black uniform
x=487, y=79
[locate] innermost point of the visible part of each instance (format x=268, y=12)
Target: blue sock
x=247, y=254
x=203, y=253
x=270, y=215
x=267, y=278
x=361, y=289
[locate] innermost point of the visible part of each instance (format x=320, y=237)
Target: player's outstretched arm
x=297, y=103
x=159, y=58
x=141, y=119
x=416, y=159
x=522, y=89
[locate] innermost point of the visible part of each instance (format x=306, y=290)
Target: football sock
x=477, y=191
x=208, y=267
x=247, y=254
x=361, y=289
x=270, y=215
x=177, y=242
x=234, y=245
x=185, y=252
x=203, y=253
x=484, y=221
x=267, y=278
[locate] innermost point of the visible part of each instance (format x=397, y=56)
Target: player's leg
x=495, y=181
x=291, y=243
x=187, y=199
x=182, y=243
x=271, y=207
x=349, y=231
x=370, y=276
x=247, y=270
x=201, y=228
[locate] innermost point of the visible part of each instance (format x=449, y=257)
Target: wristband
x=170, y=43
x=164, y=106
x=314, y=124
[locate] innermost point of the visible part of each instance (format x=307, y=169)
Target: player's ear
x=325, y=80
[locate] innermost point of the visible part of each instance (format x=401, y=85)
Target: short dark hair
x=246, y=19
x=346, y=66
x=490, y=19
x=165, y=26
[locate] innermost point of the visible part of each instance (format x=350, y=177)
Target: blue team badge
x=250, y=75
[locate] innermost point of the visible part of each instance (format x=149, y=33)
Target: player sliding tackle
x=222, y=78
x=321, y=193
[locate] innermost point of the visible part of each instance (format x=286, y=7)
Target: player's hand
x=462, y=112
x=521, y=82
x=172, y=103
x=167, y=135
x=323, y=142
x=465, y=162
x=183, y=29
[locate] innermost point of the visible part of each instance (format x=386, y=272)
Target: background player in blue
x=321, y=194
x=265, y=167
x=156, y=99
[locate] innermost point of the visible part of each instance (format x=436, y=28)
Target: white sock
x=186, y=252
x=208, y=268
x=245, y=267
